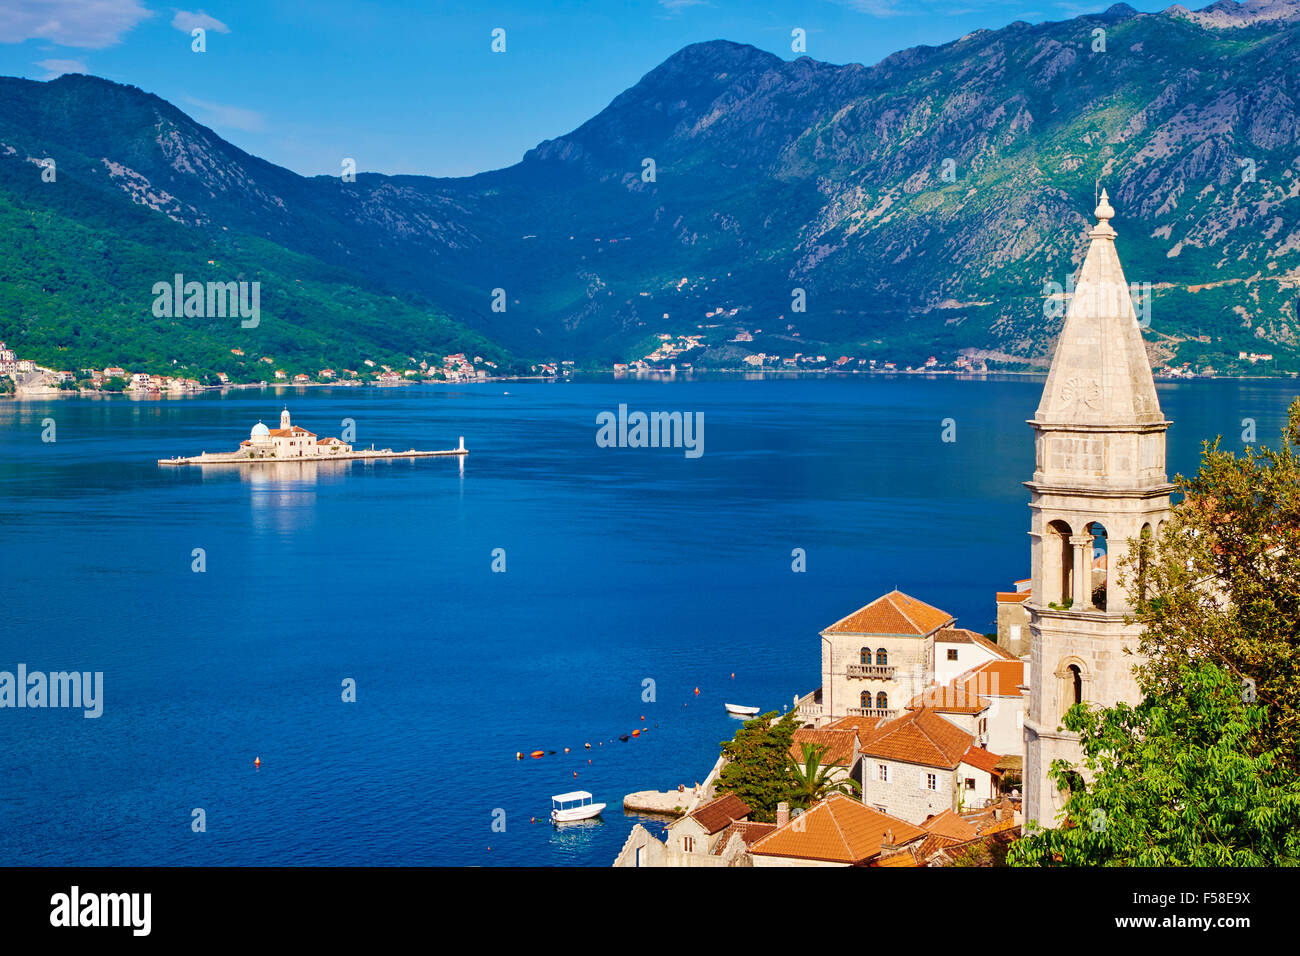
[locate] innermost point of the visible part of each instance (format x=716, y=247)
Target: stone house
x=704, y=837
x=875, y=659
x=920, y=764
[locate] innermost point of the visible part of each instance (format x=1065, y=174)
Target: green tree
x=1222, y=582
x=1174, y=782
x=114, y=384
x=757, y=758
x=810, y=782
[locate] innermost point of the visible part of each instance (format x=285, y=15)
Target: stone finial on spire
x=1104, y=212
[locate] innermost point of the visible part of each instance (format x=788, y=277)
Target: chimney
x=782, y=813
x=887, y=841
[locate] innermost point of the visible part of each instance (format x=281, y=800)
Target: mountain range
x=921, y=206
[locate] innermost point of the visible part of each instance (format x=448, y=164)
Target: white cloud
x=186, y=22
x=227, y=117
x=57, y=68
x=92, y=24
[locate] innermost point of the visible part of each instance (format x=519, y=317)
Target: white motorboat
x=741, y=711
x=568, y=807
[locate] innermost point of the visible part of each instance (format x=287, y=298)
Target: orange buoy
x=643, y=716
x=257, y=761
x=697, y=692
x=519, y=756
x=575, y=773
x=566, y=750
x=733, y=675
x=538, y=753
x=636, y=733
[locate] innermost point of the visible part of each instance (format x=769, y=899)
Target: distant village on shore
x=25, y=378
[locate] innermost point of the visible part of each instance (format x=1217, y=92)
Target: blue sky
x=413, y=87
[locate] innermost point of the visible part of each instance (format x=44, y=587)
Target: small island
x=292, y=442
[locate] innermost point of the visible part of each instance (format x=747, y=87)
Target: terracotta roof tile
x=948, y=824
x=954, y=698
x=959, y=635
x=1017, y=597
x=982, y=759
x=837, y=830
x=892, y=613
x=921, y=737
x=720, y=813
x=841, y=744
x=906, y=858
x=749, y=832
x=969, y=692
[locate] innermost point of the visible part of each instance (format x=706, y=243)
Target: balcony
x=872, y=671
x=873, y=712
x=809, y=707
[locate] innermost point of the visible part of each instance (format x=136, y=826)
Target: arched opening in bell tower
x=1058, y=564
x=1099, y=561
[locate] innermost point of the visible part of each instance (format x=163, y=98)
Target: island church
x=288, y=441
x=1099, y=482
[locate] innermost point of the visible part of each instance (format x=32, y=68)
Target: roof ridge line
x=895, y=606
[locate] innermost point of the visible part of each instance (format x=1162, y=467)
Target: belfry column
x=1082, y=577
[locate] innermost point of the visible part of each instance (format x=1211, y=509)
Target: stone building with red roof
x=876, y=659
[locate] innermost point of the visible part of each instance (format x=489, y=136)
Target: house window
x=931, y=782
x=882, y=771
x=952, y=653
x=970, y=783
x=864, y=655
x=882, y=701
x=688, y=844
x=1077, y=681
x=882, y=656
x=864, y=699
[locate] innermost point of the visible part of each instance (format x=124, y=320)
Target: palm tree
x=811, y=782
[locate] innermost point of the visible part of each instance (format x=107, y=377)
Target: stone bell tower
x=1099, y=480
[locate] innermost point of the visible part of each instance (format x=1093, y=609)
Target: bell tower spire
x=1099, y=483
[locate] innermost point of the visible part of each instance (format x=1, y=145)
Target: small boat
x=577, y=805
x=741, y=711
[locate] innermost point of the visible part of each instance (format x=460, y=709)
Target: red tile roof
x=1013, y=597
x=720, y=813
x=982, y=759
x=840, y=743
x=959, y=635
x=837, y=830
x=749, y=832
x=969, y=692
x=921, y=737
x=950, y=825
x=865, y=727
x=892, y=613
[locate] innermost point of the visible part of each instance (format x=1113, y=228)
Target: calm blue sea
x=621, y=565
